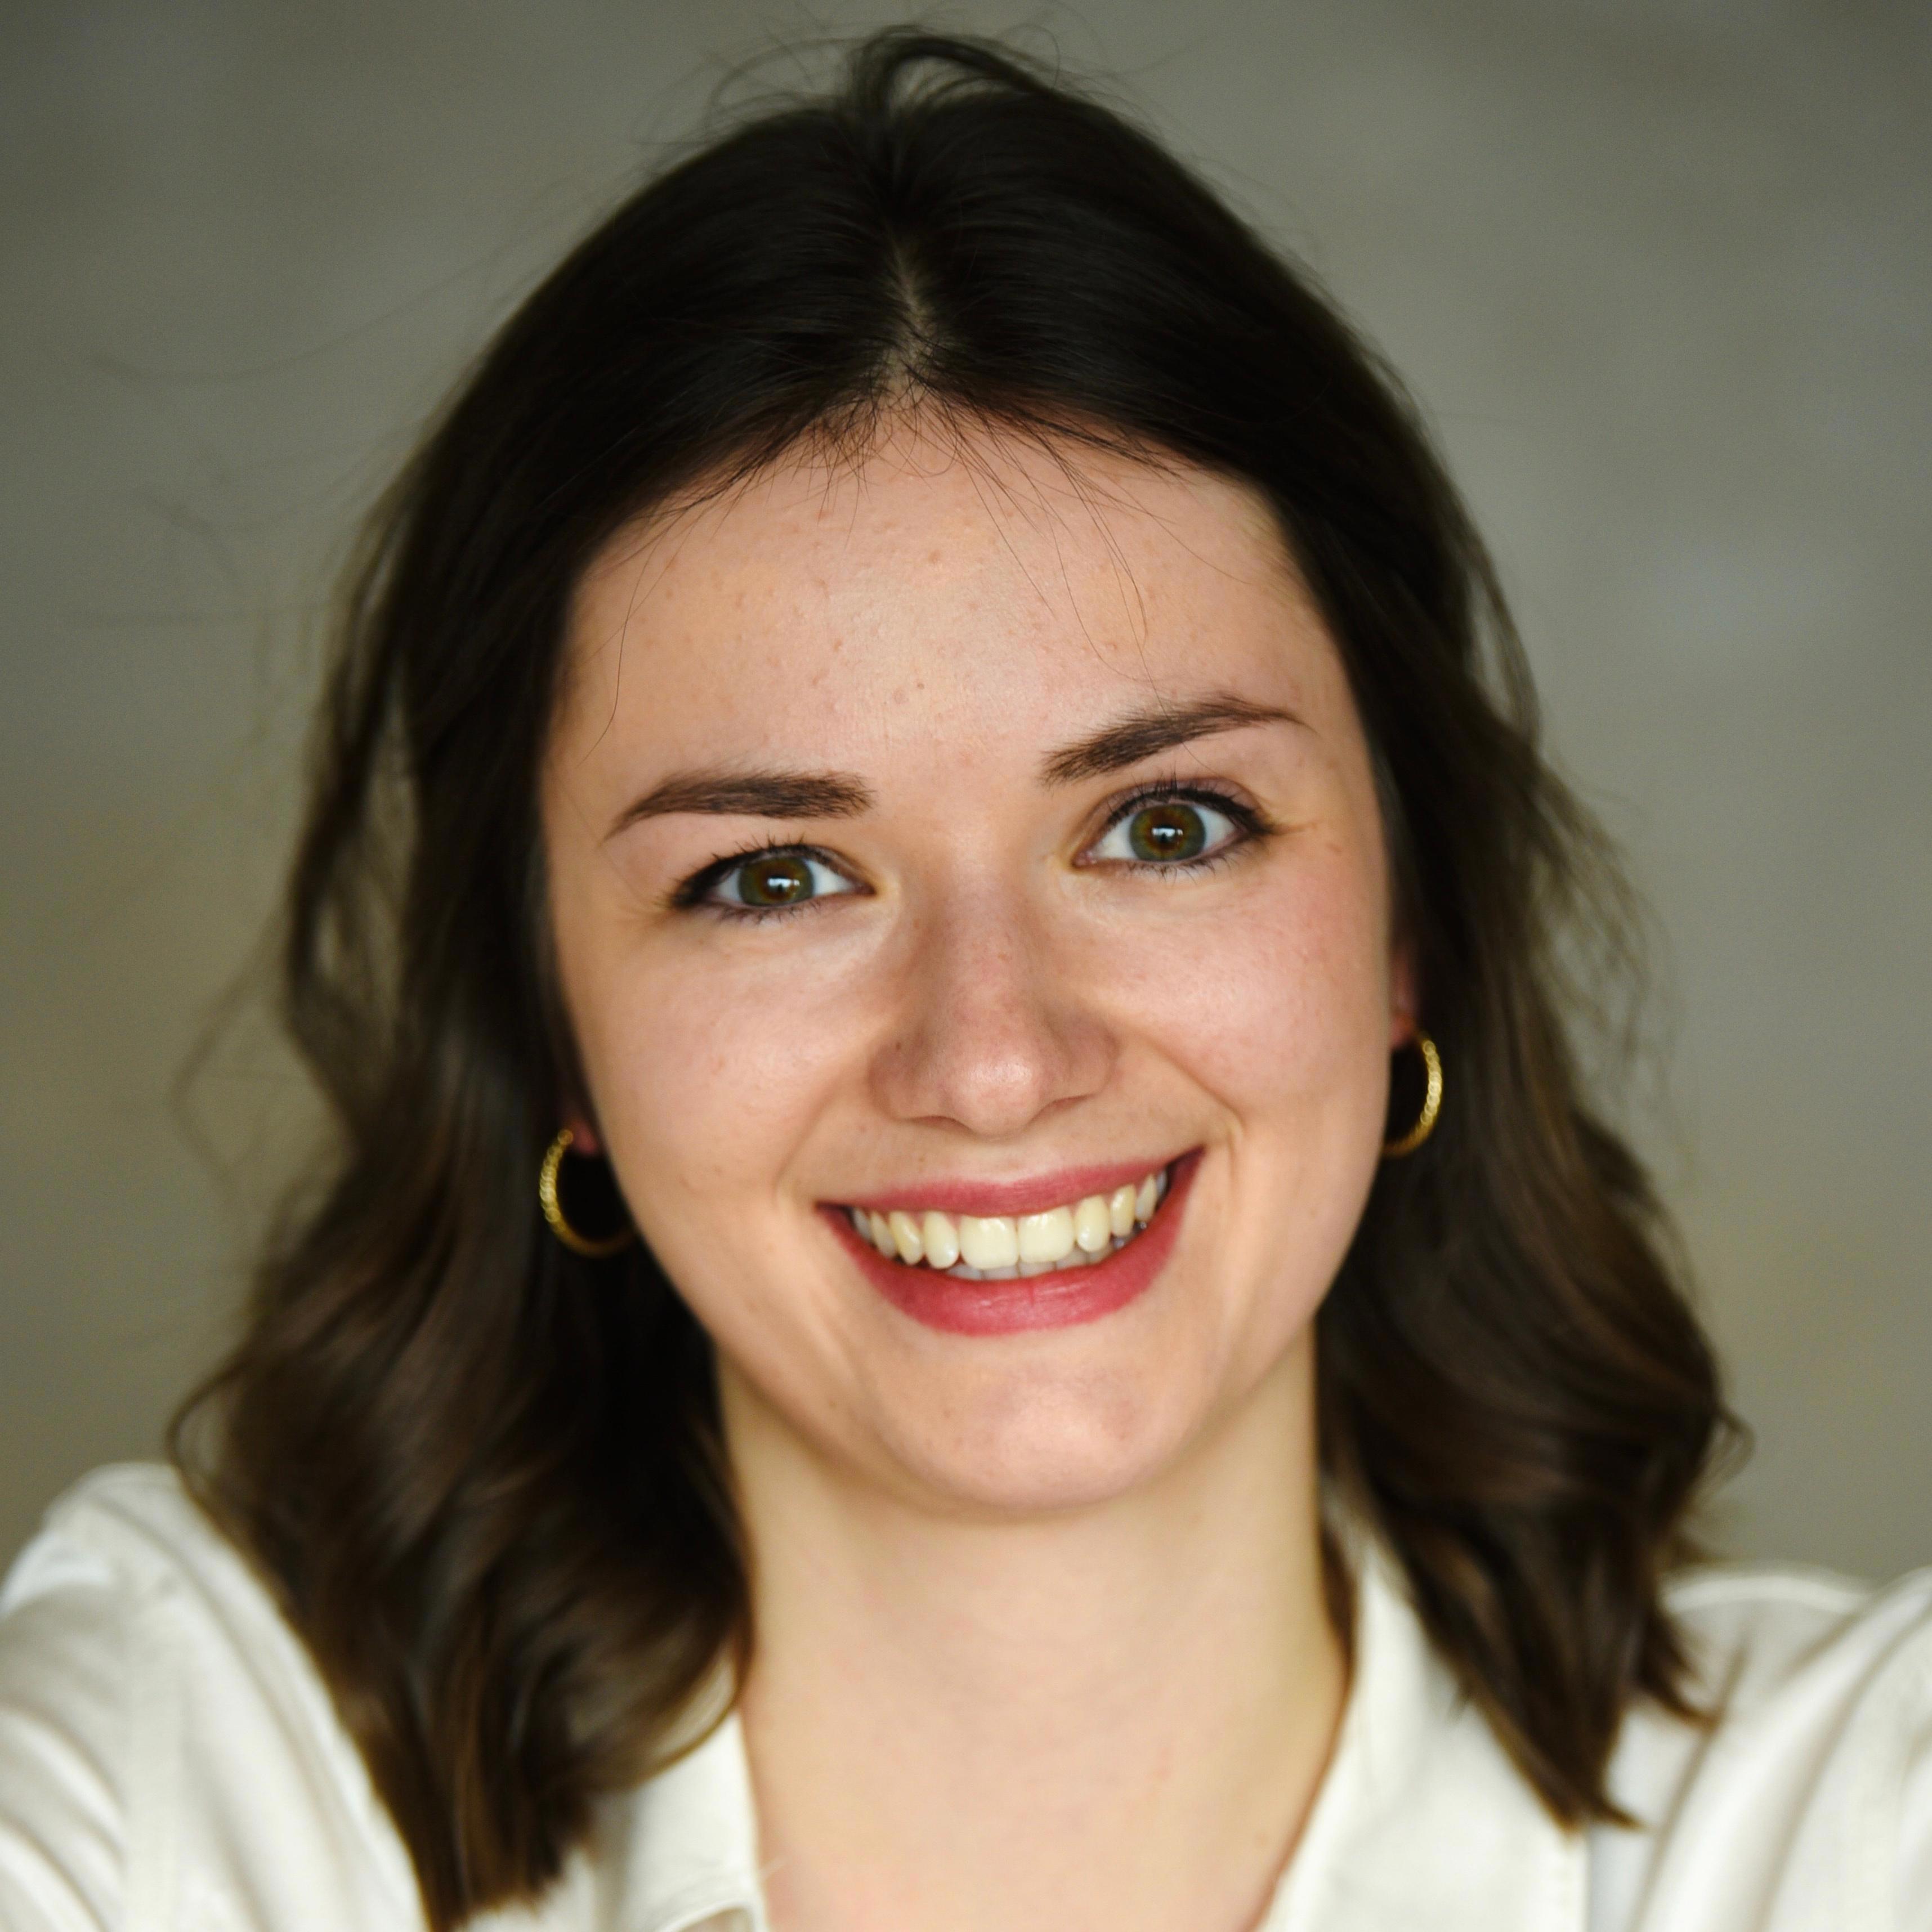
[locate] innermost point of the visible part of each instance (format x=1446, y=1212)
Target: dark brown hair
x=483, y=1473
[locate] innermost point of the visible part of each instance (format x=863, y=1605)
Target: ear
x=582, y=1136
x=1405, y=995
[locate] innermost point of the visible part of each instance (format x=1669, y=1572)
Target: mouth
x=1060, y=1263
x=1074, y=1233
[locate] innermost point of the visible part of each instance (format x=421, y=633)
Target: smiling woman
x=1003, y=985
x=929, y=715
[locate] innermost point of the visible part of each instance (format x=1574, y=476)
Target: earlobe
x=582, y=1136
x=1403, y=1002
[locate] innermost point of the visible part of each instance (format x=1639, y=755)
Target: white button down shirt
x=169, y=1762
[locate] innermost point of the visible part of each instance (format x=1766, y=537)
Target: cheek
x=1276, y=1011
x=1279, y=1004
x=705, y=1081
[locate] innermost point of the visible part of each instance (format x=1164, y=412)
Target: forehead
x=934, y=585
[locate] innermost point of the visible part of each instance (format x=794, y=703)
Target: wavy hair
x=485, y=1474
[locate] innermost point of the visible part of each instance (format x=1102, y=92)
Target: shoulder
x=1806, y=1794
x=1756, y=1631
x=129, y=1530
x=164, y=1734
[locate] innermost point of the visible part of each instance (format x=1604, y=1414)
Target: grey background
x=1661, y=271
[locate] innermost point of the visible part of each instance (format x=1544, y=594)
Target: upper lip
x=1032, y=1194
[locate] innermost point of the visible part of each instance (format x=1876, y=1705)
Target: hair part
x=485, y=1475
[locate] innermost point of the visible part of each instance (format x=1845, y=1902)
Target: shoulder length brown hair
x=484, y=1473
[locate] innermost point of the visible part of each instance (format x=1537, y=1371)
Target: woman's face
x=964, y=837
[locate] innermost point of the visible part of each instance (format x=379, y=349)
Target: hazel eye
x=772, y=881
x=1166, y=832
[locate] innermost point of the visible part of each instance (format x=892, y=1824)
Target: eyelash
x=1250, y=822
x=692, y=893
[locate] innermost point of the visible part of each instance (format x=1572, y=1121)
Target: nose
x=993, y=1030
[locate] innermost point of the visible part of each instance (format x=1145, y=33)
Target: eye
x=772, y=882
x=1167, y=830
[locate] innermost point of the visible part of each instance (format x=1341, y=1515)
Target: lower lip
x=1062, y=1298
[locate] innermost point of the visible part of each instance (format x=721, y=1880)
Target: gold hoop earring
x=553, y=1208
x=1432, y=1103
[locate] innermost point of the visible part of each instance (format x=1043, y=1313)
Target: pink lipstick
x=1062, y=1298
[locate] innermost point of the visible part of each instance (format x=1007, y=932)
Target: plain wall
x=1660, y=271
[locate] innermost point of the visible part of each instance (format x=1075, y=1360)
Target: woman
x=966, y=1281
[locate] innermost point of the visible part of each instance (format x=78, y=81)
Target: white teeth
x=941, y=1238
x=1048, y=1236
x=1000, y=1247
x=907, y=1237
x=991, y=1241
x=1093, y=1232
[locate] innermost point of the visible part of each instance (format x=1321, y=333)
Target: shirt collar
x=1421, y=1819
x=682, y=1851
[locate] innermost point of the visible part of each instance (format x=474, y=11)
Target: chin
x=1041, y=1442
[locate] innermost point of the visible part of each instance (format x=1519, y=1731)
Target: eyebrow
x=1156, y=728
x=773, y=794
x=796, y=794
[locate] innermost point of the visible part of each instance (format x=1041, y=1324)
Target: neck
x=1114, y=1715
